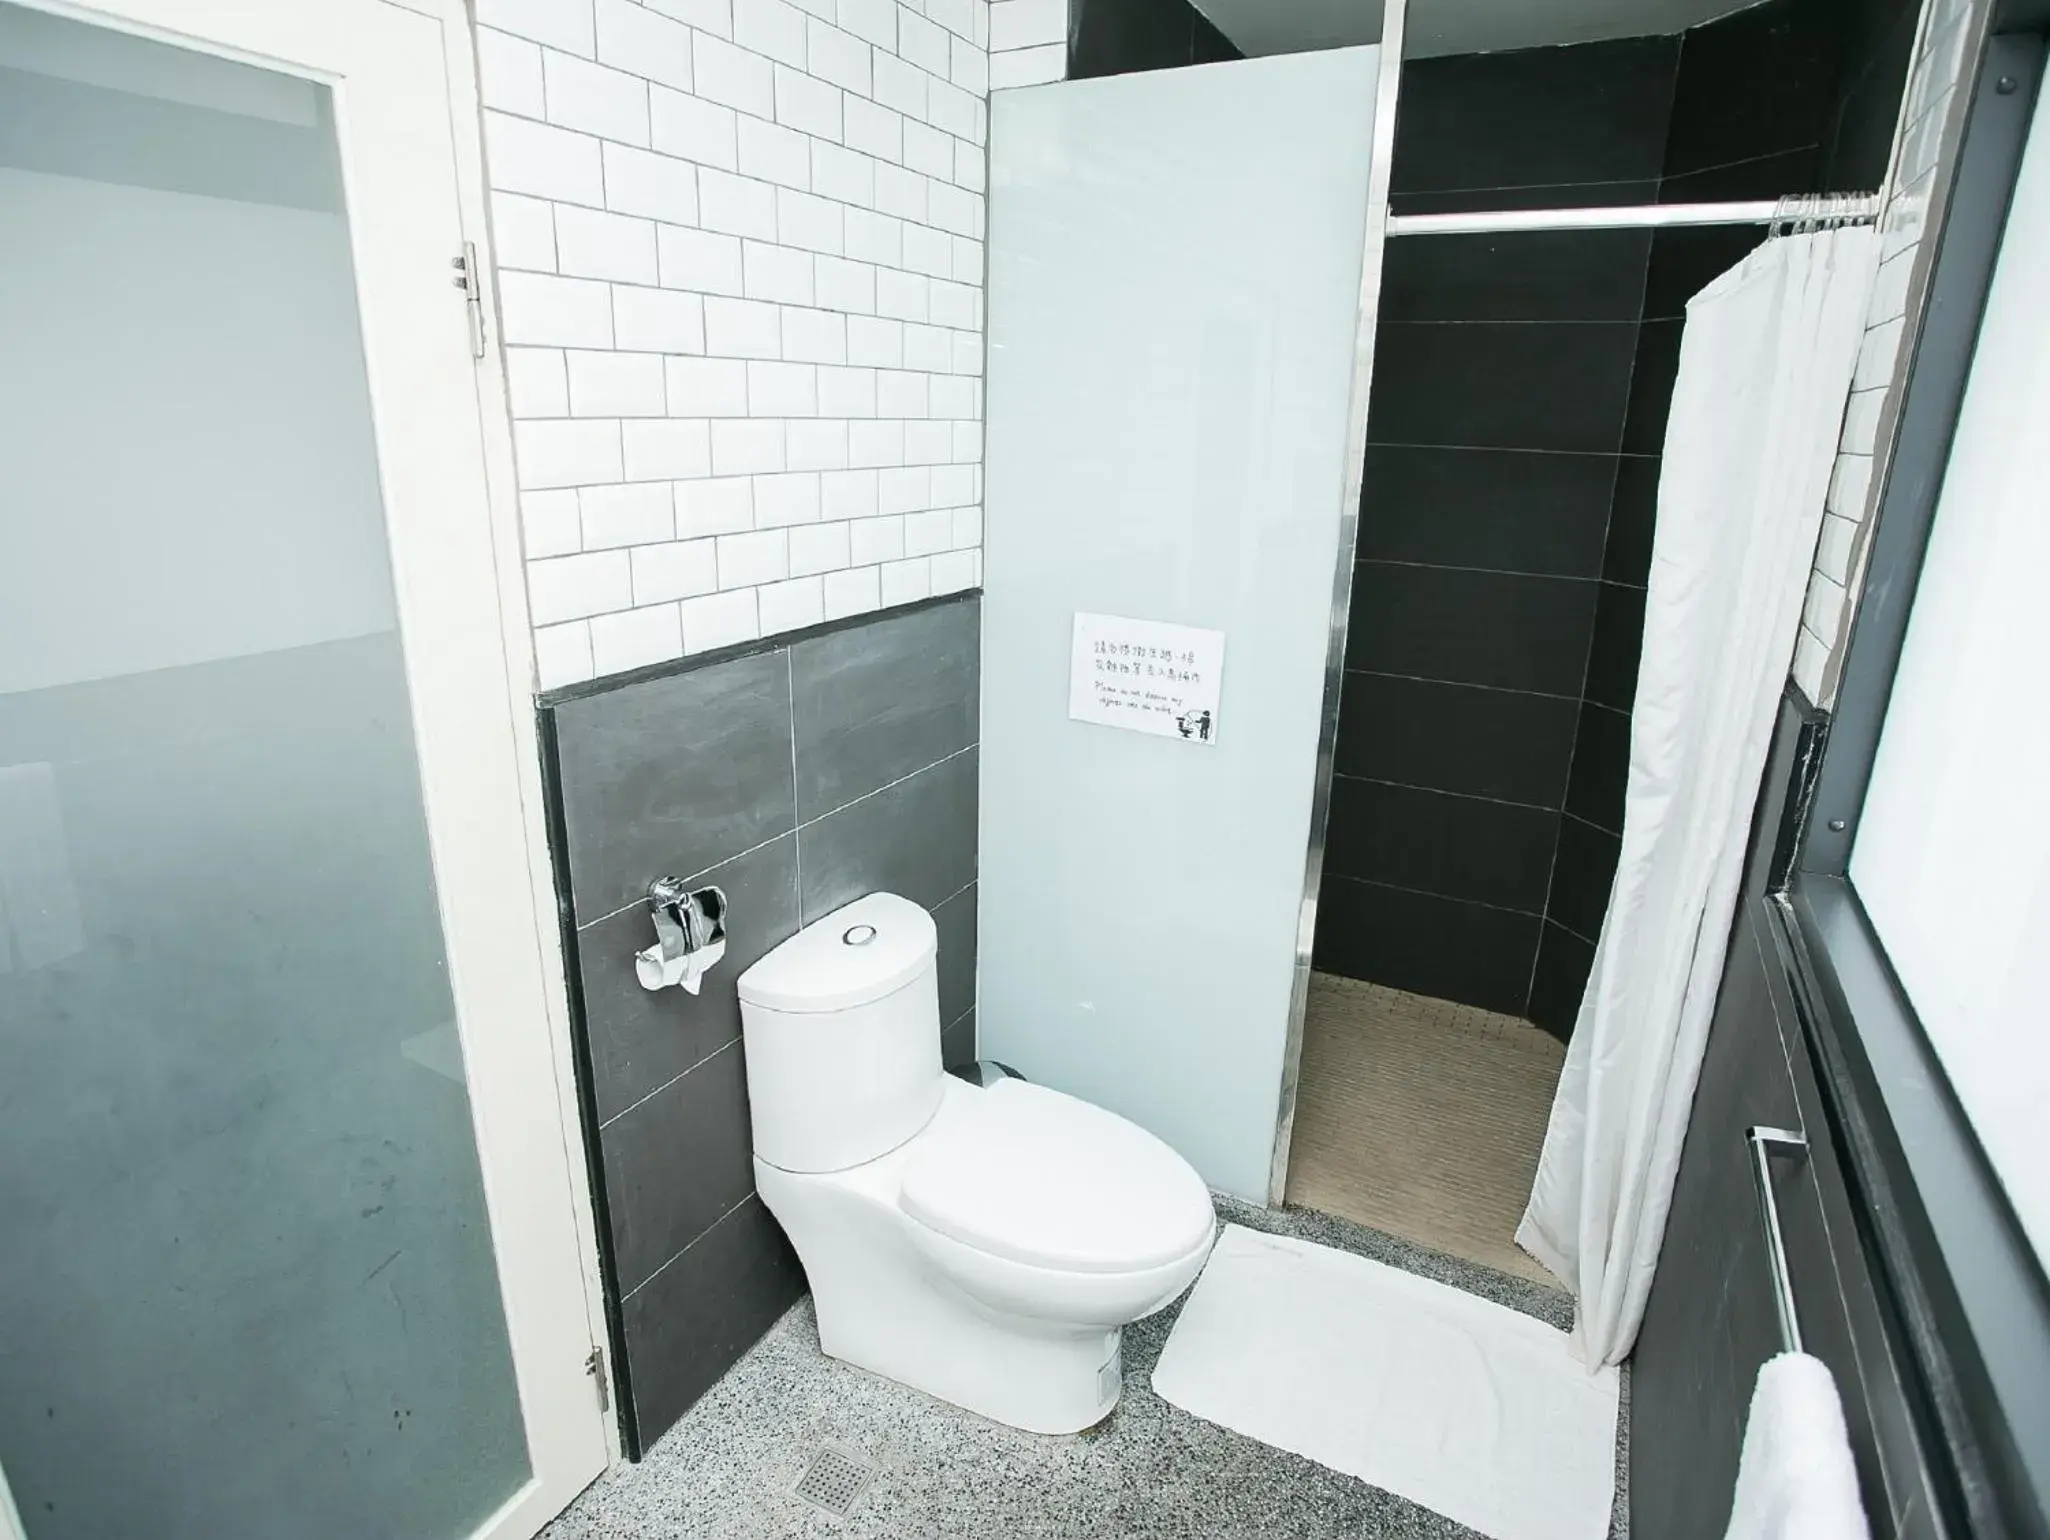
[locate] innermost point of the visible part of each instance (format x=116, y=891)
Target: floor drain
x=834, y=1481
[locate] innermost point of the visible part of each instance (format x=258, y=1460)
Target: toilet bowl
x=985, y=1244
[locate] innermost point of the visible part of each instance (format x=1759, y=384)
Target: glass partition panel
x=1174, y=284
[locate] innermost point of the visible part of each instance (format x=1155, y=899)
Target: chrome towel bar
x=1766, y=1143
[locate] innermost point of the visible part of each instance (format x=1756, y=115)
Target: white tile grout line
x=585, y=925
x=665, y=1085
x=708, y=1229
x=749, y=176
x=741, y=855
x=856, y=802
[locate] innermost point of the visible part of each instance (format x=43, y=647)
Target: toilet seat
x=1027, y=1174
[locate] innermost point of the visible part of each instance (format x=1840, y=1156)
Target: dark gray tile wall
x=1709, y=1323
x=1497, y=436
x=797, y=776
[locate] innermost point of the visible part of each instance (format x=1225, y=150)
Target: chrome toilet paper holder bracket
x=687, y=920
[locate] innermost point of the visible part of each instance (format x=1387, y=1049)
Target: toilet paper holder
x=688, y=922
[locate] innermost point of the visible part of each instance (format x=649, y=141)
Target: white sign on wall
x=1146, y=676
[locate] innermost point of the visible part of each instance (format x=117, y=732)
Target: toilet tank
x=841, y=1028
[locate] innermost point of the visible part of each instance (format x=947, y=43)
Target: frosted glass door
x=1174, y=286
x=247, y=1282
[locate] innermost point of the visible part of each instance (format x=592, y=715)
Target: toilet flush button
x=858, y=935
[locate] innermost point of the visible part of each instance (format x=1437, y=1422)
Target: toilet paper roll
x=688, y=972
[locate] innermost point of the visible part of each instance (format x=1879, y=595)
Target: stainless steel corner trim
x=1381, y=155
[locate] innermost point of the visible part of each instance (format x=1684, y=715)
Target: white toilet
x=986, y=1245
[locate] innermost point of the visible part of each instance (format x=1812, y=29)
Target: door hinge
x=595, y=1367
x=471, y=283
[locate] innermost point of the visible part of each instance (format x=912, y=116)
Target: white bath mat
x=1461, y=1405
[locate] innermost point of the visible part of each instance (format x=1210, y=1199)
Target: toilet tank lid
x=857, y=954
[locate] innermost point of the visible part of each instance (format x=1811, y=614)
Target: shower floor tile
x=1421, y=1118
x=1149, y=1470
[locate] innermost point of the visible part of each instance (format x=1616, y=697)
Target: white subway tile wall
x=1028, y=44
x=740, y=284
x=1932, y=119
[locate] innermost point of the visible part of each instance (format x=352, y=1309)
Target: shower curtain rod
x=1832, y=209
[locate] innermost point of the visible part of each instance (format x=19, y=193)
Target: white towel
x=1795, y=1480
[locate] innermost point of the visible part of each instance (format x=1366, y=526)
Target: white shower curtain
x=1765, y=367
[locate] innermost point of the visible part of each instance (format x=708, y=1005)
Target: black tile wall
x=1125, y=37
x=1763, y=176
x=1618, y=640
x=1448, y=948
x=797, y=776
x=1633, y=516
x=1601, y=767
x=1876, y=42
x=1751, y=85
x=1685, y=260
x=1434, y=842
x=1544, y=196
x=1559, y=980
x=1566, y=275
x=1508, y=511
x=1510, y=745
x=1508, y=630
x=1551, y=118
x=1511, y=509
x=1581, y=876
x=1503, y=385
x=1651, y=387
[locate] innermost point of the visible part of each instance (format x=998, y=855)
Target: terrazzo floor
x=1149, y=1470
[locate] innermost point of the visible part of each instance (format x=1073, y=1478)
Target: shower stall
x=1397, y=443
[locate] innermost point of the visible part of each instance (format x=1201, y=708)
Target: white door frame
x=10, y=1517
x=403, y=73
